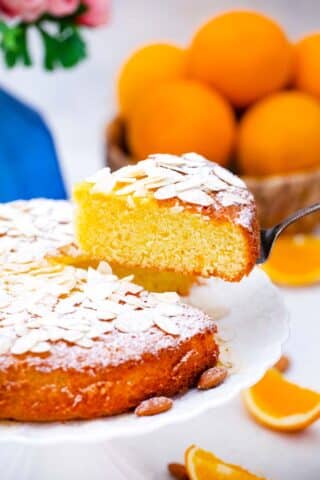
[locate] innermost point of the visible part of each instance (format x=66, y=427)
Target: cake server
x=269, y=235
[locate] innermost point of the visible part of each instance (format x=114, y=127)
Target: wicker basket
x=276, y=196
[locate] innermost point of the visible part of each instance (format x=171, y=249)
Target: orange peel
x=282, y=405
x=202, y=465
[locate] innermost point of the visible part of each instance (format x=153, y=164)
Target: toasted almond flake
x=192, y=182
x=26, y=343
x=215, y=184
x=194, y=158
x=41, y=347
x=98, y=329
x=169, y=309
x=85, y=343
x=165, y=193
x=105, y=315
x=133, y=322
x=21, y=329
x=167, y=159
x=195, y=196
x=231, y=198
x=104, y=186
x=5, y=344
x=104, y=268
x=5, y=300
x=72, y=335
x=228, y=177
x=166, y=324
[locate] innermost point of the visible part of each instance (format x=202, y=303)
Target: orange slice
x=281, y=405
x=295, y=260
x=202, y=465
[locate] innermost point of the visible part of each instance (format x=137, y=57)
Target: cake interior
x=160, y=236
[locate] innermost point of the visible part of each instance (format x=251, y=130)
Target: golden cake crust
x=85, y=344
x=74, y=383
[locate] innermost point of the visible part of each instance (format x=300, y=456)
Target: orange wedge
x=281, y=405
x=295, y=260
x=202, y=465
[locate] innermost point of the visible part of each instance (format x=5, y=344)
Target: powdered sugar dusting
x=30, y=229
x=48, y=310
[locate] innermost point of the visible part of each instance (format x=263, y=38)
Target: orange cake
x=168, y=213
x=78, y=343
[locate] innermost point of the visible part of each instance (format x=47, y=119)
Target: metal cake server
x=269, y=236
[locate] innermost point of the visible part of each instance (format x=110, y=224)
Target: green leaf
x=72, y=48
x=14, y=44
x=51, y=50
x=65, y=48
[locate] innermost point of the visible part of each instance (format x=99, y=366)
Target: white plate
x=254, y=331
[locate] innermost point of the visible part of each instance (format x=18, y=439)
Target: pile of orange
x=241, y=93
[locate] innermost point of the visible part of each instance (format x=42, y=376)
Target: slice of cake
x=169, y=213
x=78, y=343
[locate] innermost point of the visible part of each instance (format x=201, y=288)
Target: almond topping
x=282, y=364
x=178, y=471
x=212, y=378
x=153, y=406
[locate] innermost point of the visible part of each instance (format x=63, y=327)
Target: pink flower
x=97, y=13
x=60, y=8
x=27, y=10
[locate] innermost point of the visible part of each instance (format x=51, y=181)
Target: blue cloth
x=29, y=165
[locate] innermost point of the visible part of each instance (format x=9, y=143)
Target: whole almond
x=212, y=378
x=282, y=364
x=178, y=471
x=153, y=406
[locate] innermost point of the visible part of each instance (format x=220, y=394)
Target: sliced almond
x=41, y=347
x=196, y=197
x=165, y=193
x=133, y=322
x=178, y=471
x=166, y=325
x=228, y=177
x=26, y=343
x=282, y=364
x=5, y=344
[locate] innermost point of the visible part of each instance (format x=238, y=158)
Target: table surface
x=231, y=434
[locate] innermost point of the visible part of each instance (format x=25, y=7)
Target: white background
x=77, y=105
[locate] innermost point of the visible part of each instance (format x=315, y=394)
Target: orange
x=147, y=67
x=280, y=134
x=243, y=54
x=182, y=116
x=307, y=64
x=295, y=260
x=202, y=465
x=281, y=405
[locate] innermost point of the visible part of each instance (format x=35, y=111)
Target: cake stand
x=252, y=329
